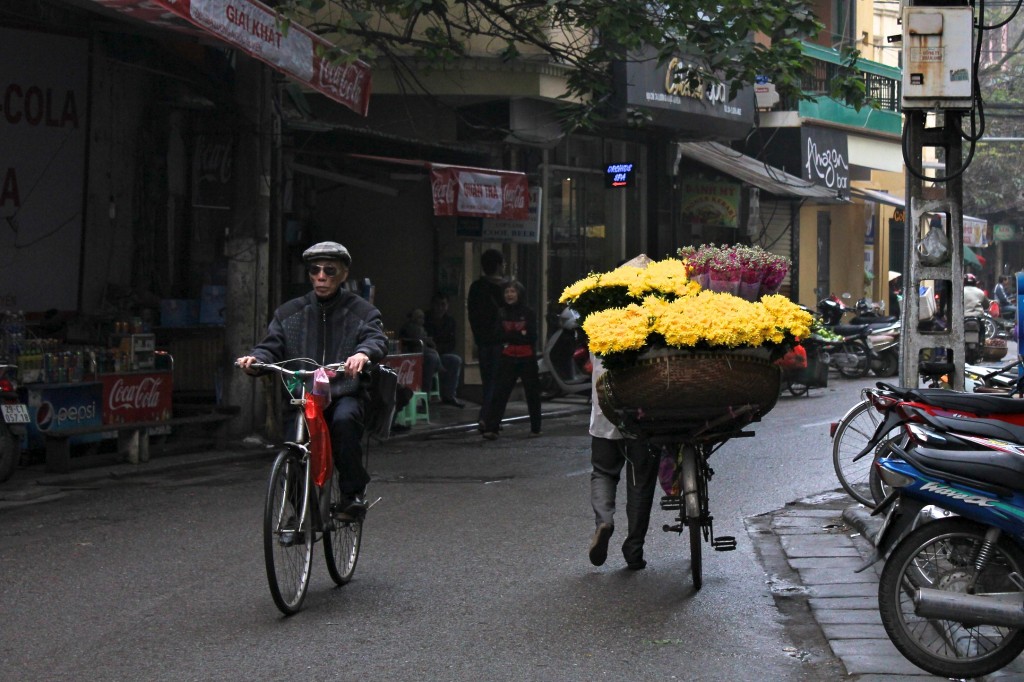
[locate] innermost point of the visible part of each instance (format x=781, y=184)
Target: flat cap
x=327, y=250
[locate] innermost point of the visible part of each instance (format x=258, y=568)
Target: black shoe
x=400, y=428
x=490, y=435
x=636, y=565
x=599, y=544
x=349, y=508
x=454, y=402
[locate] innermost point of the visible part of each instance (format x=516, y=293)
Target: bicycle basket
x=380, y=401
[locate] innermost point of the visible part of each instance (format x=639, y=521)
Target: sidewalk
x=32, y=484
x=810, y=550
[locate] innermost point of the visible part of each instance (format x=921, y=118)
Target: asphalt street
x=473, y=567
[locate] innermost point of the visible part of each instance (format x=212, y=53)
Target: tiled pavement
x=810, y=550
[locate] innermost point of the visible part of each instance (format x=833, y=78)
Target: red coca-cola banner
x=252, y=27
x=479, y=193
x=143, y=397
x=409, y=367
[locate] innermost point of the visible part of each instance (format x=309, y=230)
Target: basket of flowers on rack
x=675, y=350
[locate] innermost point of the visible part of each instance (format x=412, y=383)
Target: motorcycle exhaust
x=1005, y=610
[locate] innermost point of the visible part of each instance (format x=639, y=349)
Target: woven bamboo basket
x=684, y=385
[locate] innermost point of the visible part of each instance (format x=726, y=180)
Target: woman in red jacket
x=518, y=327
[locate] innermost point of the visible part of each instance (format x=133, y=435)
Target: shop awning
x=754, y=172
x=251, y=26
x=471, y=192
x=975, y=229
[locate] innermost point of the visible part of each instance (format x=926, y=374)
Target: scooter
x=951, y=594
x=564, y=366
x=13, y=419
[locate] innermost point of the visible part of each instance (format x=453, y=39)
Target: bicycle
x=692, y=443
x=296, y=515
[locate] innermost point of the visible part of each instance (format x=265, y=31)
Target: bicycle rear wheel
x=855, y=430
x=287, y=548
x=693, y=486
x=341, y=542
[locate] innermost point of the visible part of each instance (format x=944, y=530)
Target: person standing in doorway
x=482, y=305
x=518, y=361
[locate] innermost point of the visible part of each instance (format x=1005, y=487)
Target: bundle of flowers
x=630, y=310
x=746, y=271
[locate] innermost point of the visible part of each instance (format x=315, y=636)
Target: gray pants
x=641, y=463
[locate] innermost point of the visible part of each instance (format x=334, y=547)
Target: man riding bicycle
x=330, y=324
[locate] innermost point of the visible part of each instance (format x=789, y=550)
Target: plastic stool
x=435, y=388
x=411, y=413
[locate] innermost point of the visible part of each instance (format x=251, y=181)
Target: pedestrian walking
x=610, y=453
x=483, y=303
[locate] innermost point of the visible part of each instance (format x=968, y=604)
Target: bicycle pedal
x=671, y=503
x=291, y=538
x=724, y=543
x=678, y=528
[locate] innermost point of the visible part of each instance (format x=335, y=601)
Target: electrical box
x=938, y=57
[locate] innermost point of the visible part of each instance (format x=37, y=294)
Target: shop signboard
x=826, y=158
x=60, y=407
x=409, y=367
x=43, y=122
x=711, y=203
x=252, y=27
x=136, y=397
x=1004, y=233
x=502, y=230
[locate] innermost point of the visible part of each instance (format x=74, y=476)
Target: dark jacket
x=482, y=305
x=518, y=331
x=327, y=332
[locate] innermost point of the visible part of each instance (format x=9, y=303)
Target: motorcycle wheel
x=888, y=364
x=797, y=388
x=858, y=348
x=941, y=555
x=10, y=453
x=990, y=328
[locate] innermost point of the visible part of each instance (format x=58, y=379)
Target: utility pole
x=938, y=80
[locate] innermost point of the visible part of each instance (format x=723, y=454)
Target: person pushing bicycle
x=330, y=324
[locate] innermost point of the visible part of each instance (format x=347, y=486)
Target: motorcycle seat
x=851, y=329
x=999, y=469
x=874, y=320
x=980, y=404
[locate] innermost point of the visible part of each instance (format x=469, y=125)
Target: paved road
x=474, y=568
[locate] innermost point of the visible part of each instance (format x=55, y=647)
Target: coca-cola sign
x=479, y=193
x=409, y=368
x=298, y=52
x=131, y=398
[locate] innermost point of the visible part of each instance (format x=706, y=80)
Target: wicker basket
x=669, y=384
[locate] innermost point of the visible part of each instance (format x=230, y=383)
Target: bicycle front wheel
x=342, y=540
x=855, y=431
x=287, y=534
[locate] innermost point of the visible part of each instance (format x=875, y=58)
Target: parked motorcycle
x=951, y=594
x=997, y=327
x=13, y=418
x=564, y=366
x=870, y=312
x=885, y=342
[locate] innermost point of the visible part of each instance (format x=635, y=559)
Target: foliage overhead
x=584, y=35
x=994, y=182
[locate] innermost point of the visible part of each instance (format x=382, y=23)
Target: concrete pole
x=246, y=246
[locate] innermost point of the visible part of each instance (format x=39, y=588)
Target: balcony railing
x=883, y=83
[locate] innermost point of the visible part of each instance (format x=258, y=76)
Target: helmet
x=327, y=251
x=970, y=280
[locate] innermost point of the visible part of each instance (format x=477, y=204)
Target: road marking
x=811, y=426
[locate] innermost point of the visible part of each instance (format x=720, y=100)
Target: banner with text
x=43, y=104
x=479, y=193
x=298, y=52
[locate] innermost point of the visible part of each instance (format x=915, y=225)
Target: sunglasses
x=329, y=270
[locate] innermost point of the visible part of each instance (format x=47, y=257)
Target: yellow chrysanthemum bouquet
x=636, y=308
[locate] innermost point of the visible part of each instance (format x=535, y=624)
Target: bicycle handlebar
x=299, y=373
